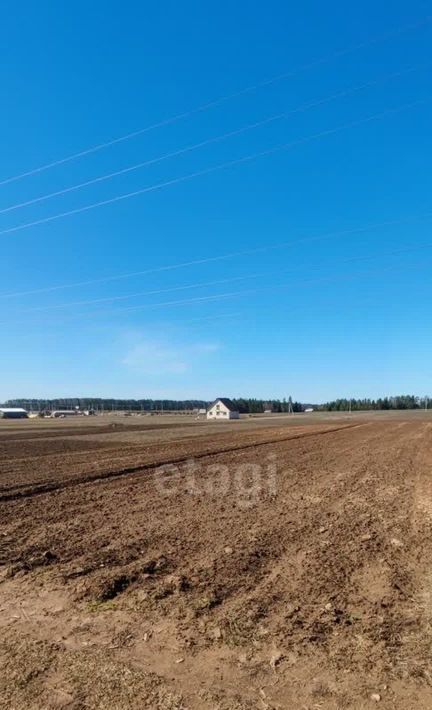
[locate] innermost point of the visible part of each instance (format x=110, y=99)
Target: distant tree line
x=244, y=405
x=403, y=401
x=257, y=406
x=99, y=403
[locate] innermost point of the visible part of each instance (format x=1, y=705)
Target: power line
x=145, y=293
x=214, y=139
x=244, y=292
x=110, y=299
x=230, y=294
x=199, y=319
x=210, y=104
x=215, y=168
x=222, y=257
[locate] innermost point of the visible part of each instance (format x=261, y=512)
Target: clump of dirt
x=108, y=583
x=31, y=562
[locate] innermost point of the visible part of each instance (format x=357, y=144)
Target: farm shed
x=13, y=413
x=222, y=409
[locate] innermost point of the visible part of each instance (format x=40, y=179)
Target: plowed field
x=249, y=566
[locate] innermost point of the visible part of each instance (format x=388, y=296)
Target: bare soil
x=180, y=565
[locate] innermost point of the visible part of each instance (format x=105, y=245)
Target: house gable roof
x=227, y=402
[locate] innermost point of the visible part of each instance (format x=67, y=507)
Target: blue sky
x=325, y=290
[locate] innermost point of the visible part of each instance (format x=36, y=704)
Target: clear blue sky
x=314, y=319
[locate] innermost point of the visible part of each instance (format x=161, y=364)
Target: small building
x=13, y=413
x=222, y=409
x=308, y=410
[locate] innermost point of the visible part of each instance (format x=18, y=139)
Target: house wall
x=221, y=413
x=218, y=411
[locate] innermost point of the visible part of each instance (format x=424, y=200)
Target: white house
x=222, y=409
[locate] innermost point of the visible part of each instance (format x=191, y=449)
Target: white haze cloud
x=154, y=357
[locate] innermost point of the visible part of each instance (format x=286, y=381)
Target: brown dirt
x=305, y=583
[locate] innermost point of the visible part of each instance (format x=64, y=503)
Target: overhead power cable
x=233, y=279
x=247, y=292
x=215, y=139
x=227, y=97
x=234, y=294
x=215, y=168
x=223, y=257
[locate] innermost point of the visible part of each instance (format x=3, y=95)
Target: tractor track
x=33, y=433
x=50, y=487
